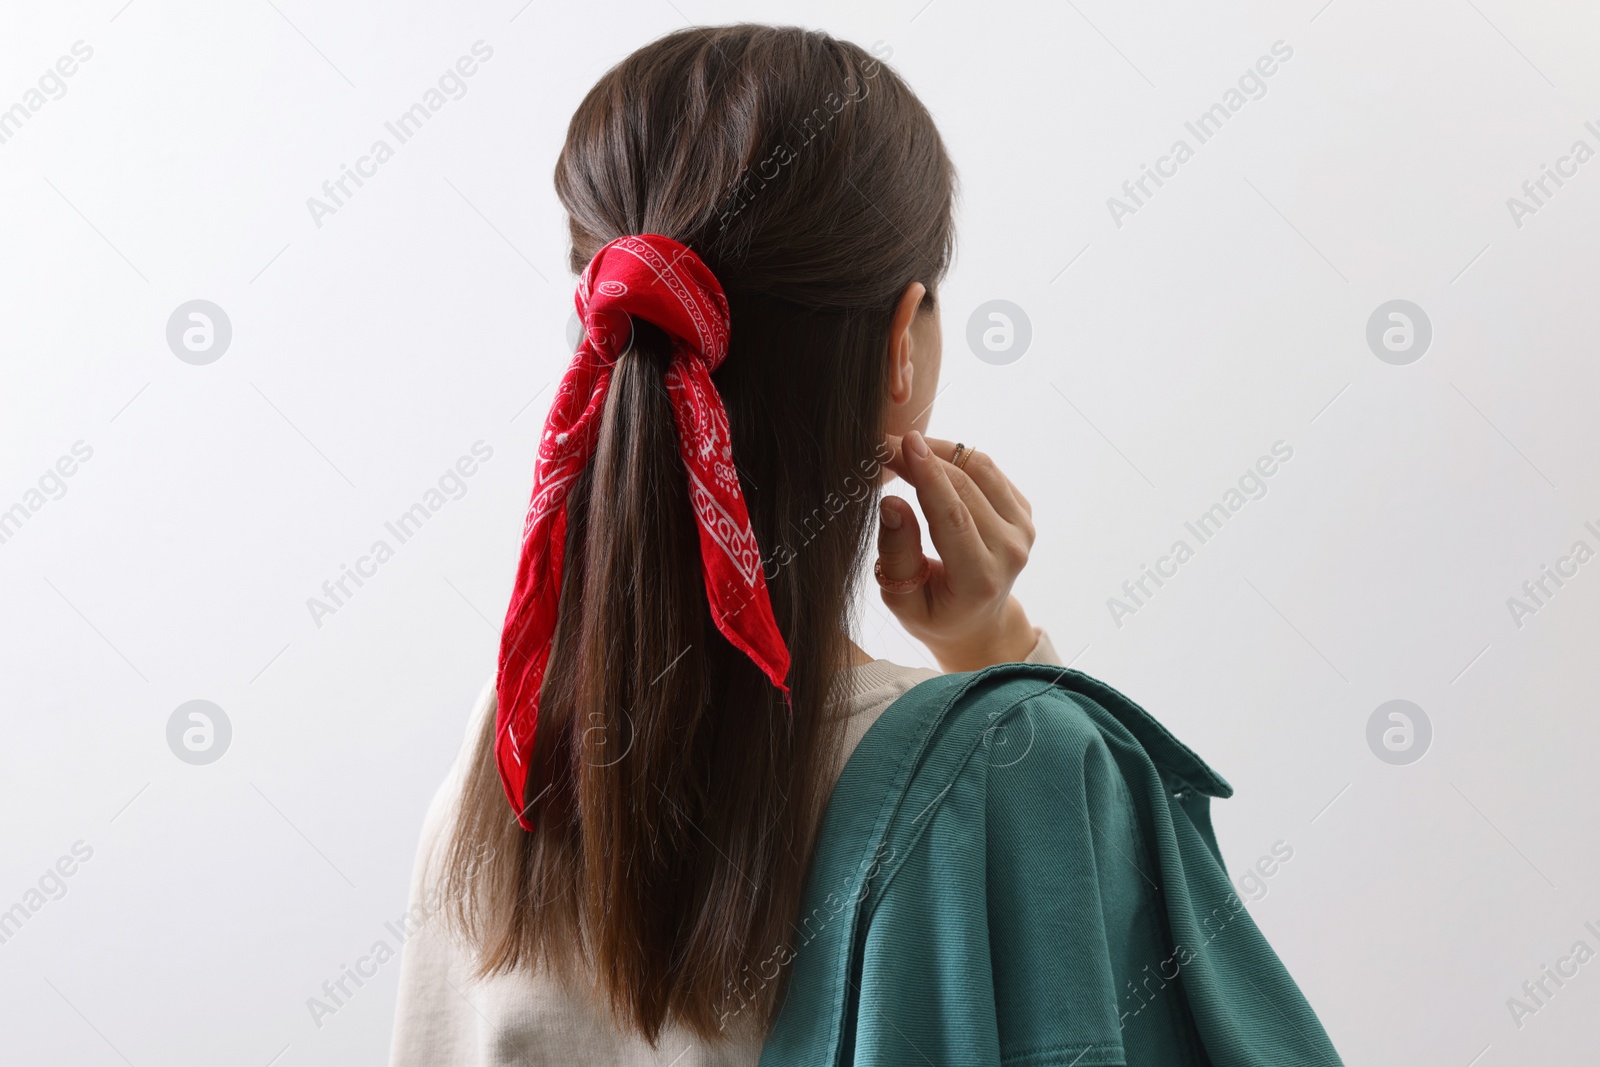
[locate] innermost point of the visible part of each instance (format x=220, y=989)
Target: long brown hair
x=678, y=798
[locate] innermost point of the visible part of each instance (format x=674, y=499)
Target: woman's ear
x=902, y=346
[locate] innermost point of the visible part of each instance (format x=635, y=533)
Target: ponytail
x=673, y=796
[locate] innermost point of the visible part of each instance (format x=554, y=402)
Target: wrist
x=1009, y=639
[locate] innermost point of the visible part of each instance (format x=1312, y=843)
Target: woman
x=642, y=856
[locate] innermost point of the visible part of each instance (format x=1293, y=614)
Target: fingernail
x=916, y=444
x=891, y=517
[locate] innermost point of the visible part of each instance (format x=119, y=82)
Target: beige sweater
x=446, y=1018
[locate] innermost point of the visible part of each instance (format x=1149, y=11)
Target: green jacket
x=1017, y=868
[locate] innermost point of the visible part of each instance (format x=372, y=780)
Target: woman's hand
x=983, y=529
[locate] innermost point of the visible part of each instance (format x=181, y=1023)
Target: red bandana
x=662, y=282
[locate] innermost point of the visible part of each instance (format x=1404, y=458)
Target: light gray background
x=368, y=354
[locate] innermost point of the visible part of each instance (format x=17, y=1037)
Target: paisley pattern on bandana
x=660, y=281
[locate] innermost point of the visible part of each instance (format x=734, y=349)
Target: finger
x=900, y=555
x=950, y=521
x=991, y=481
x=997, y=531
x=897, y=457
x=992, y=527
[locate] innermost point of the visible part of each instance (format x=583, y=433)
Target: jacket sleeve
x=1077, y=898
x=1008, y=946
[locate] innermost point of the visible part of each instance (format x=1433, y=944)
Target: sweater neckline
x=866, y=678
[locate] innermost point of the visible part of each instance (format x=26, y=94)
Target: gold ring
x=902, y=585
x=963, y=453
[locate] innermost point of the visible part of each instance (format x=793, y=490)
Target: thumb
x=900, y=556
